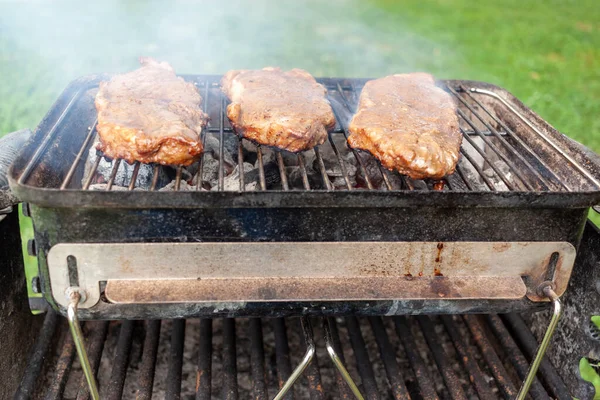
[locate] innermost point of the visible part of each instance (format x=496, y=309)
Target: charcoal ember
x=372, y=170
x=295, y=178
x=104, y=187
x=272, y=176
x=210, y=171
x=415, y=184
x=495, y=178
x=336, y=175
x=125, y=171
x=211, y=146
x=171, y=186
x=395, y=180
x=232, y=181
x=472, y=176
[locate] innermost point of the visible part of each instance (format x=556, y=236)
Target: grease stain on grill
x=436, y=269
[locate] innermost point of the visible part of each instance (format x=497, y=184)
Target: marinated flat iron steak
x=409, y=125
x=287, y=110
x=150, y=115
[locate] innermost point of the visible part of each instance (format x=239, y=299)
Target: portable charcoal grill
x=251, y=231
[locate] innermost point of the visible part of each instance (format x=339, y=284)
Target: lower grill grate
x=447, y=357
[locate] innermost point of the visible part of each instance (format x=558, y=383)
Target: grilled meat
x=287, y=110
x=150, y=115
x=409, y=124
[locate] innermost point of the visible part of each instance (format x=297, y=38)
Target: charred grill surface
x=248, y=358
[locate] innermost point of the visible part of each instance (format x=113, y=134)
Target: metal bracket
x=75, y=295
x=308, y=356
x=144, y=273
x=556, y=314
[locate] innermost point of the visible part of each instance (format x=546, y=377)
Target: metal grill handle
x=535, y=364
x=308, y=356
x=75, y=327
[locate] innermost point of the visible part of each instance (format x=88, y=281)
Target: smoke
x=350, y=38
x=46, y=44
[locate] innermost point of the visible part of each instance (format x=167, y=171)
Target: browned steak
x=288, y=110
x=408, y=124
x=150, y=115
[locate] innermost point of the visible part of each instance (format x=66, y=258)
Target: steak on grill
x=409, y=124
x=287, y=110
x=150, y=115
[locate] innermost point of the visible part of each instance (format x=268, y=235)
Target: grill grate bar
x=495, y=149
x=173, y=390
x=529, y=344
x=516, y=138
x=148, y=364
x=261, y=168
x=324, y=176
x=178, y=177
x=79, y=156
x=134, y=175
x=516, y=357
x=35, y=363
x=550, y=142
x=468, y=359
x=200, y=172
x=113, y=174
x=241, y=165
x=230, y=386
x=204, y=370
x=416, y=362
x=90, y=177
x=282, y=355
x=394, y=375
x=471, y=336
x=257, y=360
x=221, y=145
x=282, y=173
x=303, y=172
x=345, y=392
x=64, y=363
x=502, y=140
x=344, y=126
x=120, y=361
x=344, y=130
x=340, y=162
x=499, y=173
x=463, y=178
x=364, y=366
x=441, y=359
x=491, y=358
x=487, y=181
x=95, y=348
x=313, y=376
x=156, y=171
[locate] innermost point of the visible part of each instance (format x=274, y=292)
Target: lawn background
x=547, y=53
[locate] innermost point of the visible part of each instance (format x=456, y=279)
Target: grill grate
x=494, y=156
x=448, y=357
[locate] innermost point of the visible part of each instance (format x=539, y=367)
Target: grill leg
x=75, y=328
x=338, y=362
x=308, y=356
x=556, y=314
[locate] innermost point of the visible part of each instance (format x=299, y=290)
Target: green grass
x=547, y=53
